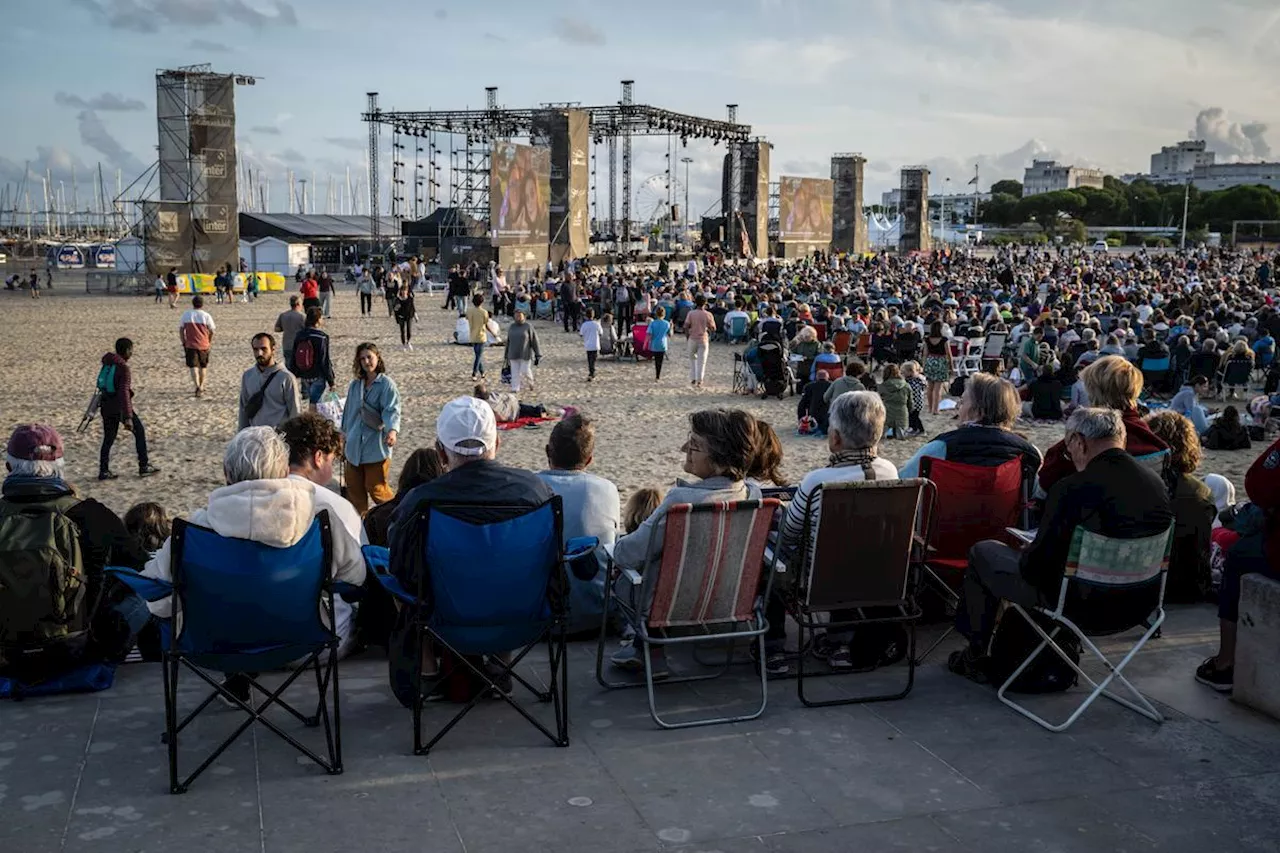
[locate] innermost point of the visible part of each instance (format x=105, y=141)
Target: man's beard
x=264, y=361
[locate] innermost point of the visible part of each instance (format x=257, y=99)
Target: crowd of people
x=1093, y=324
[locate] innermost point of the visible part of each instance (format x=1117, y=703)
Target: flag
x=973, y=180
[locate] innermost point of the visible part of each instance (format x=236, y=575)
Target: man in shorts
x=195, y=329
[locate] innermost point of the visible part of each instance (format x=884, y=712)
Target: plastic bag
x=330, y=408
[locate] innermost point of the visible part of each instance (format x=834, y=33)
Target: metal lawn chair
x=1109, y=586
x=857, y=566
x=706, y=590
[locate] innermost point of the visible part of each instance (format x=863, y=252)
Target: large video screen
x=519, y=194
x=804, y=210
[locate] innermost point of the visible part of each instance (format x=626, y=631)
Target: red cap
x=35, y=442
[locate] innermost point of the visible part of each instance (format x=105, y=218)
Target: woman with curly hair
x=1193, y=509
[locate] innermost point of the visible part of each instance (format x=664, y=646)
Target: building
x=891, y=199
x=1046, y=176
x=1222, y=176
x=1178, y=161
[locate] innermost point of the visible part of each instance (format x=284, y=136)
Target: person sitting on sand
x=1227, y=432
x=813, y=402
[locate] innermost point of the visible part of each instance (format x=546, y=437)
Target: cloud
x=149, y=16
x=495, y=38
x=350, y=143
x=578, y=32
x=267, y=129
x=1231, y=140
x=995, y=167
x=94, y=134
x=292, y=155
x=106, y=102
x=208, y=46
x=57, y=162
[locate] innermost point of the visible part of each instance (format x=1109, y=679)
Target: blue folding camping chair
x=244, y=607
x=481, y=610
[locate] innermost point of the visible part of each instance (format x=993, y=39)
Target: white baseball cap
x=463, y=422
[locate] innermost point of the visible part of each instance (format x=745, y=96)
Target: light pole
x=1186, y=201
x=686, y=161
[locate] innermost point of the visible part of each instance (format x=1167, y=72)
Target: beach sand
x=50, y=352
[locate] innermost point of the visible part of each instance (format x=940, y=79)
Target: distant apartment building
x=1221, y=176
x=1180, y=160
x=1046, y=176
x=891, y=198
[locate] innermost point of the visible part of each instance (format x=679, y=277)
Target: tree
x=1007, y=187
x=1002, y=210
x=1074, y=231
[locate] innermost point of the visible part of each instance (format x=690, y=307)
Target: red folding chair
x=640, y=341
x=841, y=341
x=863, y=349
x=975, y=502
x=821, y=330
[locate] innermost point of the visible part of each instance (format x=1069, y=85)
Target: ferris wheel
x=654, y=198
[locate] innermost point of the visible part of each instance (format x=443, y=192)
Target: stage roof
x=312, y=227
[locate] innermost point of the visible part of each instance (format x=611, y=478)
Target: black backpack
x=45, y=606
x=1014, y=639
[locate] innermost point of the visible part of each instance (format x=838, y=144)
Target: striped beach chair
x=709, y=588
x=1109, y=586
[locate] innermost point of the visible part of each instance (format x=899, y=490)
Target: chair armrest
x=377, y=559
x=579, y=546
x=150, y=589
x=348, y=591
x=392, y=585
x=632, y=576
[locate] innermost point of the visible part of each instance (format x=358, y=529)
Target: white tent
x=883, y=232
x=271, y=254
x=130, y=256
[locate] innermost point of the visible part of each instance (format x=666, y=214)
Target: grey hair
x=255, y=453
x=48, y=469
x=859, y=418
x=1097, y=424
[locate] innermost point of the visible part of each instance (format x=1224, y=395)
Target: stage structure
x=915, y=235
x=573, y=134
x=746, y=206
x=804, y=216
x=194, y=225
x=848, y=223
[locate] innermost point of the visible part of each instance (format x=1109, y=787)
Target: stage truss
x=471, y=134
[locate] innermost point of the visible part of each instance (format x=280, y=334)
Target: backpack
x=957, y=386
x=1014, y=639
x=44, y=596
x=304, y=357
x=107, y=379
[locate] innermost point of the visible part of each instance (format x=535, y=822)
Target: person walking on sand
x=659, y=333
x=34, y=284
x=590, y=332
x=289, y=323
x=478, y=329
x=365, y=288
x=370, y=426
x=171, y=286
x=195, y=330
x=268, y=392
x=115, y=387
x=698, y=326
x=405, y=312
x=522, y=351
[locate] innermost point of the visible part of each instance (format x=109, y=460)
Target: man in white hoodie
x=262, y=503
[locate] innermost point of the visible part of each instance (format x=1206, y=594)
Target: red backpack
x=304, y=356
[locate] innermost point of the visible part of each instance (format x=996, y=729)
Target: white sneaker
x=409, y=347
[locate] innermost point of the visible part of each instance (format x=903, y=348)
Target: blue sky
x=944, y=82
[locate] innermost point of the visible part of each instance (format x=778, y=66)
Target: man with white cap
x=467, y=441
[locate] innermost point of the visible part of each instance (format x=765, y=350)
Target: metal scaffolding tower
x=375, y=218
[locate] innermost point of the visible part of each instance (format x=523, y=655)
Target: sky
x=946, y=83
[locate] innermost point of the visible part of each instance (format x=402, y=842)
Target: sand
x=50, y=352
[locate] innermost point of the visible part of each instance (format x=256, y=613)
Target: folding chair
x=507, y=602
x=877, y=573
x=740, y=370
x=1109, y=586
x=243, y=607
x=736, y=330
x=704, y=591
x=544, y=310
x=993, y=351
x=1236, y=374
x=841, y=341
x=1158, y=462
x=819, y=329
x=863, y=347
x=974, y=502
x=1155, y=376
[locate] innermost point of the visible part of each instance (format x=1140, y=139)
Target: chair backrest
x=834, y=370
x=493, y=586
x=975, y=347
x=863, y=536
x=239, y=597
x=1155, y=365
x=864, y=344
x=712, y=557
x=994, y=347
x=974, y=502
x=841, y=340
x=737, y=327
x=1237, y=372
x=640, y=336
x=820, y=329
x=1101, y=561
x=1157, y=461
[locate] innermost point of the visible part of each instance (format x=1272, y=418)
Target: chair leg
x=859, y=700
x=687, y=724
x=1048, y=642
x=171, y=720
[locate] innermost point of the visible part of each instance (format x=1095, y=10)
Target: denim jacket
x=363, y=444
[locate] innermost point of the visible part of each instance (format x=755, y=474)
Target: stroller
x=777, y=376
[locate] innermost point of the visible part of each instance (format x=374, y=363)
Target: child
x=915, y=382
x=640, y=506
x=895, y=394
x=591, y=333
x=148, y=524
x=1226, y=432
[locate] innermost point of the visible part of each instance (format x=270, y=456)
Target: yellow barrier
x=203, y=282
